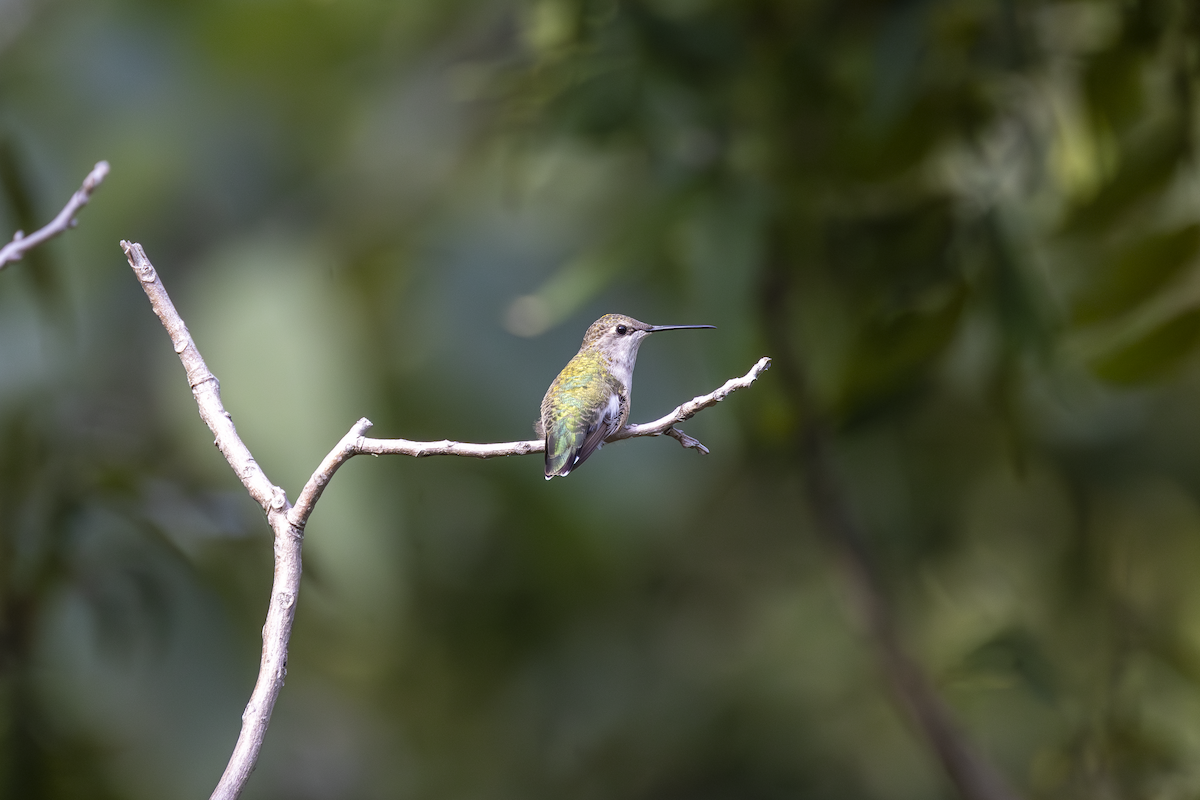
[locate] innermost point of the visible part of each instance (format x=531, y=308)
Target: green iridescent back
x=575, y=406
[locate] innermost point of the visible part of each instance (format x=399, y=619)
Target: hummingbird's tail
x=560, y=456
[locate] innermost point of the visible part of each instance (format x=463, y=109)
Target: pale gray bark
x=21, y=244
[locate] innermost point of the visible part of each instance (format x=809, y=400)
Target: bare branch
x=21, y=244
x=288, y=537
x=356, y=443
x=346, y=449
x=288, y=521
x=685, y=440
x=205, y=387
x=405, y=447
x=665, y=425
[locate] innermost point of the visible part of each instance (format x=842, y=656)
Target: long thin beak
x=657, y=328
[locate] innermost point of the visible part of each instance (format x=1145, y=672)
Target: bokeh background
x=967, y=230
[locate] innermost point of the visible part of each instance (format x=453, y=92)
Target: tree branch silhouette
x=972, y=774
x=287, y=521
x=21, y=244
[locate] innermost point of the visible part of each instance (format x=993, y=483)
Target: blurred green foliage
x=970, y=225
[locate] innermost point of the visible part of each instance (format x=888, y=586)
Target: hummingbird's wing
x=607, y=424
x=568, y=446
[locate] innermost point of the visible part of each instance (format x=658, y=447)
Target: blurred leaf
x=1135, y=273
x=1015, y=652
x=1147, y=164
x=1112, y=84
x=1153, y=355
x=1136, y=754
x=1018, y=307
x=890, y=355
x=895, y=258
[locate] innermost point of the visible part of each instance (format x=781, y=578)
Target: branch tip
x=21, y=244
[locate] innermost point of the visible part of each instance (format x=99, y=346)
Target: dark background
x=965, y=229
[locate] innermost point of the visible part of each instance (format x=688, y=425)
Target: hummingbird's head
x=619, y=336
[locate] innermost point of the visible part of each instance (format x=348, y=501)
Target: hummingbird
x=589, y=400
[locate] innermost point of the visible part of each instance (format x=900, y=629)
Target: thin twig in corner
x=288, y=521
x=21, y=244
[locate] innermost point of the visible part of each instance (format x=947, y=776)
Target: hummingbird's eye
x=622, y=330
